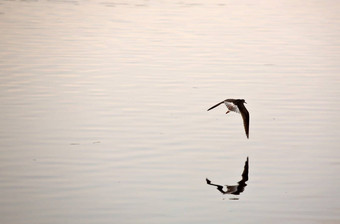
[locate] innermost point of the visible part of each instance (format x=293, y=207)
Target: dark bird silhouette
x=234, y=189
x=237, y=105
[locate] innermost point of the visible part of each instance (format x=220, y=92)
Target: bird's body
x=237, y=105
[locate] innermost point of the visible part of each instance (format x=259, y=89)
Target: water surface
x=104, y=111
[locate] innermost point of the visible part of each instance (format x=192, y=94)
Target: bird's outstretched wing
x=216, y=105
x=245, y=116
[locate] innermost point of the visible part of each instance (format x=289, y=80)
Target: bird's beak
x=245, y=102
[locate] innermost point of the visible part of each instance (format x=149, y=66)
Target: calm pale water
x=104, y=111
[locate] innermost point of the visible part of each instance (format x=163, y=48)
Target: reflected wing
x=242, y=183
x=219, y=187
x=245, y=171
x=245, y=116
x=215, y=105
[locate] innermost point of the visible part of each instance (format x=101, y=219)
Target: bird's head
x=242, y=101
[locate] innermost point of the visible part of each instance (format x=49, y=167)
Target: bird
x=234, y=189
x=237, y=105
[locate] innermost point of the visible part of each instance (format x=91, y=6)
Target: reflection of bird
x=237, y=105
x=234, y=189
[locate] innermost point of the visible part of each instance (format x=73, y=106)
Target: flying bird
x=237, y=105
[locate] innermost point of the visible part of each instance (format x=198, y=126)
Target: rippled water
x=104, y=111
